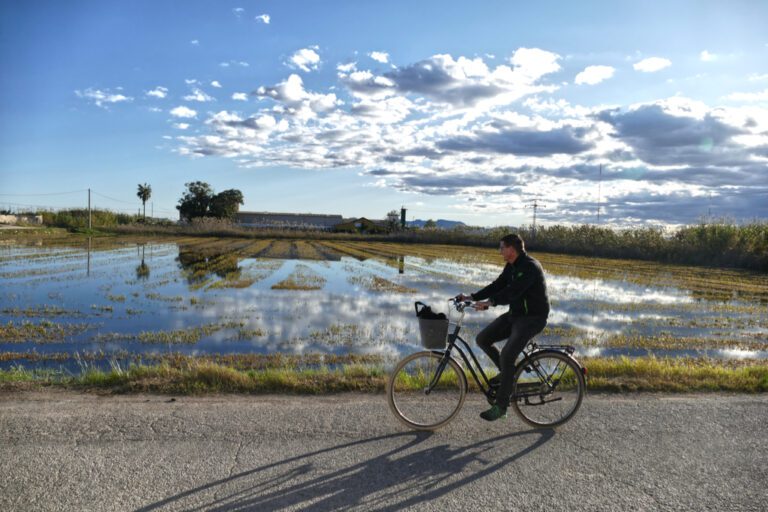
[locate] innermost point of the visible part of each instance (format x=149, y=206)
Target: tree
x=144, y=193
x=430, y=224
x=226, y=204
x=393, y=221
x=195, y=201
x=200, y=201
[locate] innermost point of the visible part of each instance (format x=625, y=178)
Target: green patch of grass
x=42, y=332
x=302, y=278
x=281, y=374
x=164, y=298
x=116, y=298
x=676, y=375
x=178, y=336
x=41, y=311
x=379, y=284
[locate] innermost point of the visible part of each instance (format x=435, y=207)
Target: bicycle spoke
x=552, y=394
x=426, y=390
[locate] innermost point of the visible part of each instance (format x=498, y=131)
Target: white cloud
x=705, y=56
x=494, y=136
x=755, y=77
x=306, y=59
x=99, y=97
x=195, y=42
x=198, y=95
x=215, y=83
x=263, y=18
x=238, y=11
x=346, y=68
x=462, y=82
x=594, y=75
x=382, y=57
x=158, y=92
x=652, y=64
x=181, y=126
x=534, y=63
x=297, y=101
x=240, y=63
x=190, y=81
x=183, y=112
x=749, y=96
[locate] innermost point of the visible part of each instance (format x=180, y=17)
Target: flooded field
x=74, y=301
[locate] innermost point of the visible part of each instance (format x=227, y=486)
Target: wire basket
x=434, y=331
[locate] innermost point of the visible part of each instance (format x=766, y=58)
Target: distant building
x=362, y=225
x=23, y=218
x=308, y=221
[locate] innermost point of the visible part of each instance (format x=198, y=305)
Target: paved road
x=65, y=451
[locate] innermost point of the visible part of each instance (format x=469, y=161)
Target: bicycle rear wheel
x=426, y=390
x=548, y=389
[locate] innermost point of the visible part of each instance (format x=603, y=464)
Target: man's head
x=511, y=246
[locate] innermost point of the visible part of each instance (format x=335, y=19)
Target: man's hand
x=482, y=306
x=461, y=297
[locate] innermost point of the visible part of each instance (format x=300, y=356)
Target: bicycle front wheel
x=426, y=390
x=548, y=389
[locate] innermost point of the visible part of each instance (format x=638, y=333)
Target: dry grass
x=201, y=375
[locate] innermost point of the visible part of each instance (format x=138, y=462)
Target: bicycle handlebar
x=460, y=305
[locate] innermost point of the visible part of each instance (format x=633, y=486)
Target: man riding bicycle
x=522, y=286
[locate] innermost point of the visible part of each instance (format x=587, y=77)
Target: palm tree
x=144, y=193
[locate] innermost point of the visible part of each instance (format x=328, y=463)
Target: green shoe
x=494, y=413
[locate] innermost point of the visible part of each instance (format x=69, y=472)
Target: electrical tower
x=535, y=205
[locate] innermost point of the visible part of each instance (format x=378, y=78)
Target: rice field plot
x=141, y=295
x=302, y=278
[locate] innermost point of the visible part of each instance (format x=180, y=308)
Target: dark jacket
x=522, y=286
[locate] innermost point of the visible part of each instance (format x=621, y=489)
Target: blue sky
x=459, y=111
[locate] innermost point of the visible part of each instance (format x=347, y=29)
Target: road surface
x=69, y=451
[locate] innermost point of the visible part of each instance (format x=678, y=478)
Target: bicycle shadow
x=396, y=479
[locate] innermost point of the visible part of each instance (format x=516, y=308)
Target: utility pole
x=152, y=213
x=535, y=205
x=89, y=209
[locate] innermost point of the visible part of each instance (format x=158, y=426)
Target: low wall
x=15, y=219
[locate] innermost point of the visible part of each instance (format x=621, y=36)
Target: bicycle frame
x=485, y=385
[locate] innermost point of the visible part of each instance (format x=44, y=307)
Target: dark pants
x=518, y=331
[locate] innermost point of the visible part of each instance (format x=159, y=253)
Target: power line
x=47, y=194
x=112, y=198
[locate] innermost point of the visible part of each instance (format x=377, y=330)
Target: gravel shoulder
x=61, y=450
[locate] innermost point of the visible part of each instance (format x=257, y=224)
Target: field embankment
x=274, y=374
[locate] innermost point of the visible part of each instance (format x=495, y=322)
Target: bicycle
x=426, y=390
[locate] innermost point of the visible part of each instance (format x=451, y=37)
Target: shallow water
x=142, y=296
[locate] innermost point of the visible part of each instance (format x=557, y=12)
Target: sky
x=648, y=113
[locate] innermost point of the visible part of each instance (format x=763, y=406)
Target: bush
x=78, y=218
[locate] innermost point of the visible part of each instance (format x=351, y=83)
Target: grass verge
x=188, y=375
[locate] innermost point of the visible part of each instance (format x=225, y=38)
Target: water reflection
x=123, y=297
x=142, y=271
x=201, y=263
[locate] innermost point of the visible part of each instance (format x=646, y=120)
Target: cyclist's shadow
x=400, y=477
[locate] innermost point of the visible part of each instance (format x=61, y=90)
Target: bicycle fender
x=572, y=358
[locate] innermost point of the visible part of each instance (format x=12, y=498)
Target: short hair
x=514, y=240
